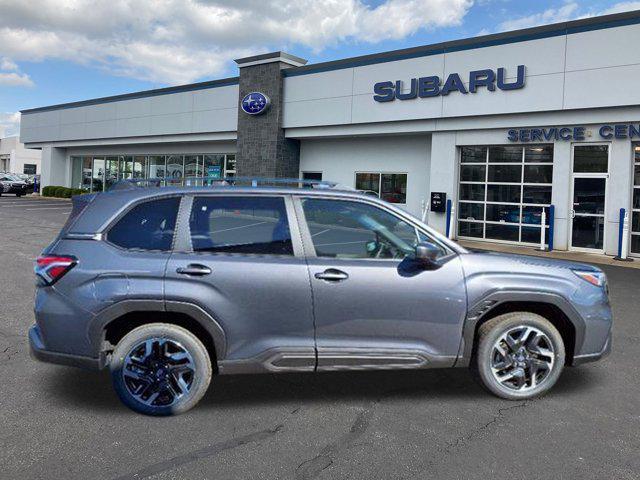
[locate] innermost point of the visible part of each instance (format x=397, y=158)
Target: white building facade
x=504, y=126
x=15, y=158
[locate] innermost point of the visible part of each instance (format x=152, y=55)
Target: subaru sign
x=255, y=103
x=425, y=87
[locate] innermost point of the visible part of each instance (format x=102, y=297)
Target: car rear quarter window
x=240, y=225
x=147, y=226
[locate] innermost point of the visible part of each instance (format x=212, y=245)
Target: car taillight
x=51, y=268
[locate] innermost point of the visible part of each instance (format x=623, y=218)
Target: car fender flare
x=494, y=299
x=111, y=313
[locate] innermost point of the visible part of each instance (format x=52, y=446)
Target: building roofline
x=515, y=36
x=142, y=94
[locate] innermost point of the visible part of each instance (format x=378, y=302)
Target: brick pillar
x=263, y=150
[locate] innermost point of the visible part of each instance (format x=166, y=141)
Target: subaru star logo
x=255, y=103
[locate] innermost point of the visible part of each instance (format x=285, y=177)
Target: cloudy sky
x=55, y=51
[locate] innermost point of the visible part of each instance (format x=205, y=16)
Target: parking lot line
x=32, y=204
x=49, y=208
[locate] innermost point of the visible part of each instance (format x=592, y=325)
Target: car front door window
x=352, y=230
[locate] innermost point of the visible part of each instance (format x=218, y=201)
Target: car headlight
x=597, y=279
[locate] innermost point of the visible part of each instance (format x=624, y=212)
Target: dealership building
x=504, y=126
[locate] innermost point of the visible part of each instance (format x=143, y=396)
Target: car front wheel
x=519, y=355
x=160, y=369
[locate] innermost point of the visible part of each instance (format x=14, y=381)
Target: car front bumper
x=593, y=357
x=17, y=190
x=39, y=352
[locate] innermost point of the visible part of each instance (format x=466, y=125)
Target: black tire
x=489, y=334
x=199, y=379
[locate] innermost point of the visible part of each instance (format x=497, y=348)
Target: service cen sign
x=425, y=87
x=621, y=131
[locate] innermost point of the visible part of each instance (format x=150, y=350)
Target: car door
x=374, y=306
x=240, y=259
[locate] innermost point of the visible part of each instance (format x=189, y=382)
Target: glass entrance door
x=589, y=193
x=588, y=213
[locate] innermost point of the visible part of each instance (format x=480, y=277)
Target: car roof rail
x=194, y=181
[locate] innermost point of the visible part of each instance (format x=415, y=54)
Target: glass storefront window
x=157, y=166
x=213, y=166
x=126, y=167
x=502, y=197
x=391, y=187
x=191, y=166
x=139, y=163
x=538, y=154
x=101, y=172
x=394, y=187
x=175, y=169
x=591, y=159
x=76, y=172
x=505, y=155
x=368, y=182
x=98, y=174
x=87, y=163
x=231, y=163
x=473, y=173
x=474, y=155
x=472, y=191
x=111, y=171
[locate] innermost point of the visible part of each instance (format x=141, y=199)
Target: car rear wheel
x=519, y=355
x=160, y=369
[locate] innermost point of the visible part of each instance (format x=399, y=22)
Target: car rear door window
x=240, y=225
x=147, y=226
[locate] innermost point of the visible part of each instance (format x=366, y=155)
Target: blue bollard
x=448, y=218
x=620, y=232
x=552, y=216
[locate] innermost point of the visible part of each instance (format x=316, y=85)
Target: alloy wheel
x=522, y=358
x=158, y=372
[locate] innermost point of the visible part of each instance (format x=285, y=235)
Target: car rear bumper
x=40, y=353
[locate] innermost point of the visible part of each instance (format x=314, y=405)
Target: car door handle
x=194, y=269
x=332, y=275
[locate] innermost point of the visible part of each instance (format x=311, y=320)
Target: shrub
x=61, y=192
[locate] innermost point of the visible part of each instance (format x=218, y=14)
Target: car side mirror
x=426, y=253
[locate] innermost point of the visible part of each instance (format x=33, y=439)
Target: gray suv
x=168, y=286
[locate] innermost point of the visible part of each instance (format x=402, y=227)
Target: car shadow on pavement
x=92, y=390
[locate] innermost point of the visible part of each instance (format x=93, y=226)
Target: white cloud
x=621, y=7
x=551, y=15
x=6, y=64
x=571, y=10
x=11, y=76
x=175, y=41
x=13, y=79
x=9, y=123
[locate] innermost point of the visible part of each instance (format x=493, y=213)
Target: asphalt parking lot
x=58, y=422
